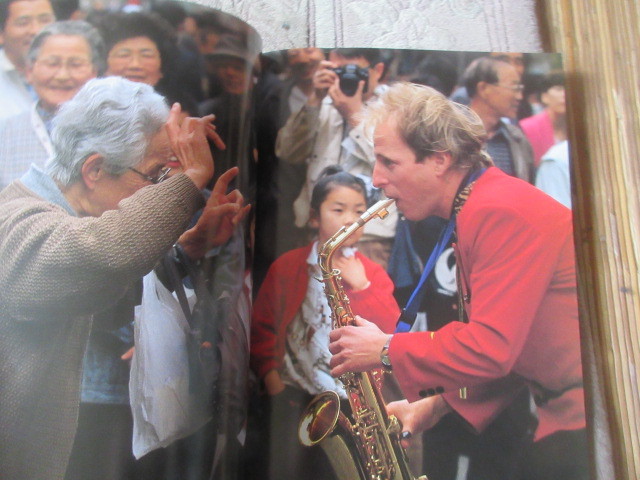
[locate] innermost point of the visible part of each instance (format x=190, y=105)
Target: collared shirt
x=297, y=99
x=24, y=140
x=16, y=95
x=46, y=117
x=499, y=150
x=553, y=174
x=36, y=180
x=319, y=137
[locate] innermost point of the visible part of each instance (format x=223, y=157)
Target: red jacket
x=283, y=292
x=516, y=258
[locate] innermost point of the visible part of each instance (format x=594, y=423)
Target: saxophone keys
x=394, y=428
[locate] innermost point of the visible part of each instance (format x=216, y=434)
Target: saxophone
x=367, y=446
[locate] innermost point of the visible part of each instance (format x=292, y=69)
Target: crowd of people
x=110, y=137
x=501, y=428
x=97, y=105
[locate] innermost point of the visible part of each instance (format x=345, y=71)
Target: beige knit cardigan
x=56, y=271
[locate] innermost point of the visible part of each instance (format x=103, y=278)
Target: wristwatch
x=384, y=354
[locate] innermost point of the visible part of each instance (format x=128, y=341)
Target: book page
x=131, y=383
x=250, y=323
x=321, y=163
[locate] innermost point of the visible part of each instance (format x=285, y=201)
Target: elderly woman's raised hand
x=188, y=138
x=221, y=214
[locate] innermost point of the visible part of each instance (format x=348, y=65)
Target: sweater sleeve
x=376, y=303
x=263, y=326
x=58, y=264
x=276, y=304
x=483, y=403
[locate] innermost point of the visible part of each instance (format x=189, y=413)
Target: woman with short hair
x=61, y=59
x=76, y=238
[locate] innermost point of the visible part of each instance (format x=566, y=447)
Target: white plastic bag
x=163, y=408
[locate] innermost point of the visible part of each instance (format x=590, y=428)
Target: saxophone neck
x=326, y=251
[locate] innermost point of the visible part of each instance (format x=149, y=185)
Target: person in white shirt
x=327, y=131
x=553, y=173
x=61, y=59
x=20, y=22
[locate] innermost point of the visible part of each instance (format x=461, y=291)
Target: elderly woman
x=61, y=59
x=75, y=239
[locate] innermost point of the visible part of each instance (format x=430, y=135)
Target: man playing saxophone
x=516, y=281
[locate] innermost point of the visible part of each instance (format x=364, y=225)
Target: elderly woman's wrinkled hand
x=221, y=214
x=188, y=138
x=212, y=134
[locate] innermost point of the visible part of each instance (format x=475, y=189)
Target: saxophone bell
x=320, y=418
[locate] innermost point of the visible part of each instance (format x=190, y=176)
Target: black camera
x=350, y=75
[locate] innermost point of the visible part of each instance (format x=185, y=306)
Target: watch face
x=384, y=354
x=384, y=358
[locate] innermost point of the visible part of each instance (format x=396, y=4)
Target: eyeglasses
x=162, y=175
x=518, y=88
x=75, y=66
x=126, y=55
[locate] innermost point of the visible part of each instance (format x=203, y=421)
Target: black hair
x=63, y=9
x=438, y=72
x=117, y=27
x=210, y=21
x=173, y=12
x=483, y=69
x=331, y=177
x=372, y=55
x=4, y=12
x=554, y=79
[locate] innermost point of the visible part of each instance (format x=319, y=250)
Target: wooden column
x=601, y=46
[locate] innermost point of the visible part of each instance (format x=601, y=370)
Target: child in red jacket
x=292, y=320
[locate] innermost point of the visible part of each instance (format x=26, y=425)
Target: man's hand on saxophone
x=418, y=416
x=356, y=348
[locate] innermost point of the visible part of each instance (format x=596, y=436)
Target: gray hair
x=72, y=27
x=112, y=117
x=483, y=69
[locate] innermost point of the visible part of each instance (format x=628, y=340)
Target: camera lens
x=350, y=75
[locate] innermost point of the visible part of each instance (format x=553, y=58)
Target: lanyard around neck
x=410, y=311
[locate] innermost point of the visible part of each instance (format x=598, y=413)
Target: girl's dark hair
x=332, y=177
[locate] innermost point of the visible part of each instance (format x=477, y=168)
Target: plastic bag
x=163, y=407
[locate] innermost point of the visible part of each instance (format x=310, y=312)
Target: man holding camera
x=327, y=131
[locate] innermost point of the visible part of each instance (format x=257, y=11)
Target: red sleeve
x=279, y=298
x=511, y=262
x=376, y=303
x=483, y=403
x=263, y=328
